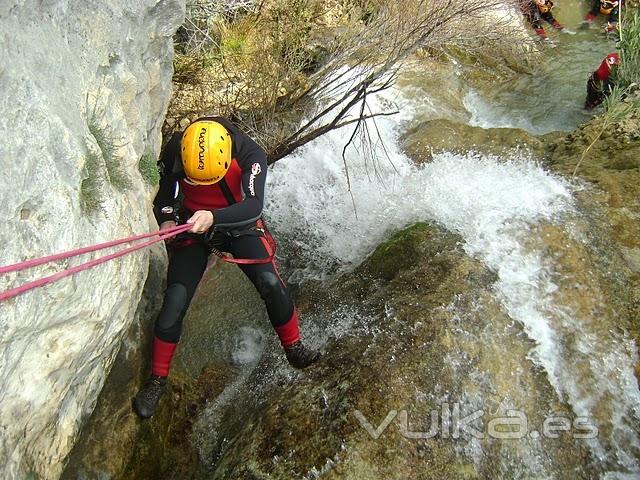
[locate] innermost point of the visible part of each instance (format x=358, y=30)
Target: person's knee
x=269, y=286
x=276, y=298
x=168, y=325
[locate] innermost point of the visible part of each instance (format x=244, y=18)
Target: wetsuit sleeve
x=595, y=9
x=613, y=16
x=533, y=15
x=253, y=162
x=168, y=179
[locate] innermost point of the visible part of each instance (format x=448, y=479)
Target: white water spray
x=488, y=201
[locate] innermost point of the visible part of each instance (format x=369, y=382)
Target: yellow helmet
x=206, y=152
x=544, y=6
x=607, y=6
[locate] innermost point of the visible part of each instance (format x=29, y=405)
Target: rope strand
x=162, y=235
x=92, y=248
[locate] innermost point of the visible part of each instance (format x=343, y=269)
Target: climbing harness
x=267, y=241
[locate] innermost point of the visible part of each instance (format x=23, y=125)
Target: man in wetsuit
x=599, y=84
x=605, y=7
x=220, y=173
x=537, y=10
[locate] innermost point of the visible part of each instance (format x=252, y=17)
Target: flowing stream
x=493, y=203
x=327, y=225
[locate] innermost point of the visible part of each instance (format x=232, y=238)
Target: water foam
x=490, y=202
x=478, y=196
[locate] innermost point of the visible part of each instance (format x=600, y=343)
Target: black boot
x=149, y=395
x=300, y=356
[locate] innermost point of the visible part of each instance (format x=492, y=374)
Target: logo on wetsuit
x=201, y=140
x=255, y=171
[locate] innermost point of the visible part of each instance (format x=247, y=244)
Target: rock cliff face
x=85, y=87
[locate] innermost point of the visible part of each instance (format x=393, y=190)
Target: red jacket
x=604, y=70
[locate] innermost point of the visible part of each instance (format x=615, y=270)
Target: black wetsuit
x=595, y=10
x=535, y=17
x=599, y=84
x=236, y=202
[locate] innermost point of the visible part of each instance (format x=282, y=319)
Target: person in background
x=220, y=173
x=605, y=7
x=535, y=11
x=599, y=84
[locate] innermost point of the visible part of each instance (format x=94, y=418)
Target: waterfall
x=492, y=203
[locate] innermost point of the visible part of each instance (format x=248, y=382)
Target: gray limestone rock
x=85, y=86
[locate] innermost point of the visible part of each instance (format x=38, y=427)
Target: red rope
x=79, y=251
x=242, y=261
x=162, y=235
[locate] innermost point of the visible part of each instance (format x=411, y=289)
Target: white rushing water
x=490, y=202
x=478, y=196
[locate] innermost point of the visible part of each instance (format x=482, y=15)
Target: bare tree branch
x=396, y=33
x=265, y=85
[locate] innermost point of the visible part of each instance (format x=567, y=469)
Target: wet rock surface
x=416, y=341
x=418, y=350
x=450, y=136
x=610, y=202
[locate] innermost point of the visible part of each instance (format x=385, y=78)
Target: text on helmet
x=201, y=140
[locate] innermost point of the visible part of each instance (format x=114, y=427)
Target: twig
x=584, y=153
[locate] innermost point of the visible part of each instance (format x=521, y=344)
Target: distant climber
x=537, y=10
x=220, y=173
x=599, y=84
x=605, y=7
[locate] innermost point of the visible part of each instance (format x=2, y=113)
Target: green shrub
x=233, y=45
x=148, y=168
x=91, y=186
x=116, y=174
x=629, y=44
x=626, y=78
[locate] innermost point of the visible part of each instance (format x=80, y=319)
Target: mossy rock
x=162, y=448
x=308, y=427
x=398, y=253
x=609, y=160
x=449, y=136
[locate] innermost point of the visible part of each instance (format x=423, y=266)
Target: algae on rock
x=420, y=346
